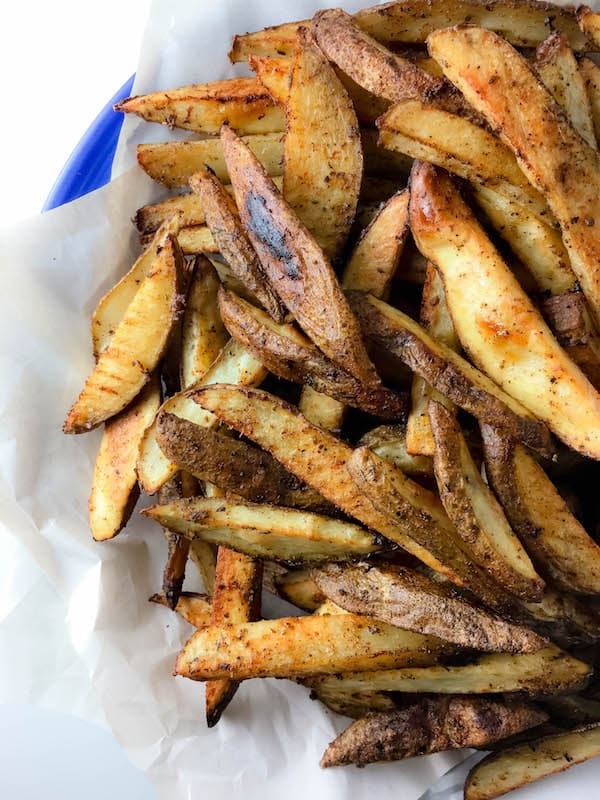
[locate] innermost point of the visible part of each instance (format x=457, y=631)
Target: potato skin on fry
x=442, y=723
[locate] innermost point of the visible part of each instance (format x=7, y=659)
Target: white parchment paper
x=76, y=631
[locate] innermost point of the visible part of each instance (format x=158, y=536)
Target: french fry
x=114, y=485
x=555, y=539
x=192, y=607
x=230, y=237
x=390, y=443
x=265, y=531
x=203, y=108
x=508, y=338
x=551, y=153
x=403, y=597
x=296, y=647
x=519, y=765
x=428, y=726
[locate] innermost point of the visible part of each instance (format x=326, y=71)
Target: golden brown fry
x=302, y=646
x=556, y=541
x=114, y=485
x=589, y=23
x=235, y=599
x=446, y=371
x=204, y=556
x=431, y=725
x=294, y=263
x=296, y=586
x=495, y=320
x=290, y=355
x=390, y=443
x=590, y=72
x=414, y=602
x=519, y=765
x=193, y=608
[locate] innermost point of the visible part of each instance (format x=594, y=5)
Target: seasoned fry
x=234, y=365
x=297, y=587
x=390, y=443
x=186, y=207
x=294, y=263
x=517, y=766
x=265, y=531
x=547, y=672
x=556, y=541
x=125, y=366
x=431, y=725
x=203, y=108
x=290, y=355
x=589, y=22
x=295, y=647
x=233, y=465
x=565, y=619
x=197, y=239
x=193, y=608
x=572, y=710
x=181, y=485
x=506, y=338
x=323, y=159
x=414, y=602
x=230, y=237
x=446, y=371
x=204, y=556
x=355, y=706
x=475, y=512
x=550, y=152
x=114, y=485
x=236, y=599
x=590, y=72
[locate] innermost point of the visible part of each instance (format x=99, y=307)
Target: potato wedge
x=572, y=710
x=446, y=371
x=204, y=556
x=548, y=672
x=295, y=647
x=589, y=23
x=565, y=619
x=203, y=108
x=172, y=163
x=228, y=232
x=551, y=153
x=192, y=607
x=266, y=531
x=186, y=207
x=290, y=355
x=114, y=485
x=477, y=515
x=414, y=602
x=233, y=465
x=294, y=263
x=323, y=159
x=590, y=72
x=517, y=766
x=234, y=365
x=495, y=320
x=431, y=725
x=180, y=485
x=197, y=240
x=355, y=706
x=296, y=586
x=236, y=599
x=390, y=443
x=557, y=66
x=140, y=339
x=558, y=544
x=203, y=334
x=435, y=318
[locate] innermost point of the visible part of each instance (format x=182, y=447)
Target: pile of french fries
x=358, y=364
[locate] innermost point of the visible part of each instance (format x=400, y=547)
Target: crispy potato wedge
x=565, y=619
x=197, y=240
x=435, y=318
x=294, y=263
x=114, y=485
x=446, y=371
x=204, y=557
x=241, y=102
x=292, y=356
x=296, y=586
x=228, y=232
x=355, y=706
x=429, y=726
x=233, y=365
x=296, y=647
x=277, y=40
x=548, y=672
x=192, y=607
x=506, y=338
x=186, y=207
x=203, y=334
x=557, y=66
x=181, y=485
x=139, y=341
x=589, y=23
x=477, y=515
x=551, y=153
x=236, y=599
x=572, y=710
x=233, y=465
x=173, y=163
x=555, y=539
x=590, y=72
x=323, y=159
x=266, y=531
x=390, y=443
x=517, y=766
x=414, y=602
